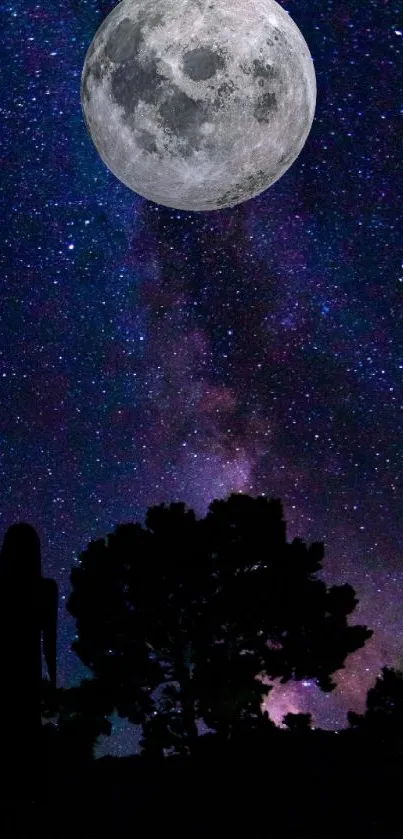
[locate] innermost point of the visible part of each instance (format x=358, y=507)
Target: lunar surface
x=198, y=104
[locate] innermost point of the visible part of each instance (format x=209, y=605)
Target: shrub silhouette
x=298, y=723
x=80, y=715
x=201, y=609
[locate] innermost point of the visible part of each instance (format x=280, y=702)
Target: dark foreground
x=328, y=785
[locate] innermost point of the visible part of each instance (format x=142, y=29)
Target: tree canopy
x=383, y=717
x=180, y=618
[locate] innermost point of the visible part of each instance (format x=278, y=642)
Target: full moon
x=198, y=104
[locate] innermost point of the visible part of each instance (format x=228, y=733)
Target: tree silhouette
x=383, y=718
x=201, y=609
x=162, y=732
x=28, y=617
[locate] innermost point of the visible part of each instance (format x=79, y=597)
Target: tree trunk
x=189, y=720
x=183, y=675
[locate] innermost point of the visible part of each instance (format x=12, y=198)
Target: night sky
x=150, y=355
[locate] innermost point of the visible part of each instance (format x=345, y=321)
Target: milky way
x=148, y=355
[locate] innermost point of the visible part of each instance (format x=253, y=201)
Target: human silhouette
x=28, y=620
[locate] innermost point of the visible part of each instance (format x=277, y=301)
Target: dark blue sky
x=149, y=354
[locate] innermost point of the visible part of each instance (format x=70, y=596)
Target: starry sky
x=150, y=354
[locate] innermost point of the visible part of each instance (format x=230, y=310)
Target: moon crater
x=179, y=100
x=202, y=63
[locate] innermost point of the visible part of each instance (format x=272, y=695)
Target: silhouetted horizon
x=197, y=608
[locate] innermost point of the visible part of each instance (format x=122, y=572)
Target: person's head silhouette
x=20, y=556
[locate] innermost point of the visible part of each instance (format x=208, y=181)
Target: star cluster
x=149, y=354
